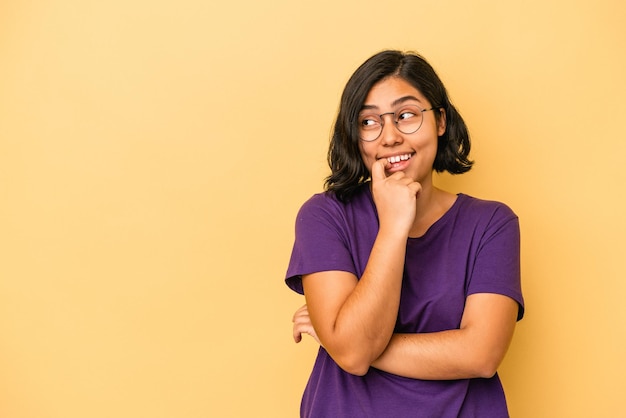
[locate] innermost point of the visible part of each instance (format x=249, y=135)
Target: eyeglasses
x=407, y=119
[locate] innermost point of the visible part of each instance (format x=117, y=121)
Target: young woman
x=412, y=292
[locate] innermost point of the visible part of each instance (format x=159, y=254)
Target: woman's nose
x=390, y=134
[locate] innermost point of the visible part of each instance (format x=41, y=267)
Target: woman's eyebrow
x=394, y=103
x=405, y=99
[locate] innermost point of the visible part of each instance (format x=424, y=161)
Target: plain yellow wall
x=153, y=155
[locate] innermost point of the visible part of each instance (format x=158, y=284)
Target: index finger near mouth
x=378, y=169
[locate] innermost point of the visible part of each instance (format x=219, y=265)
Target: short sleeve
x=497, y=264
x=321, y=241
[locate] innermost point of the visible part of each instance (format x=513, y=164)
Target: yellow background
x=153, y=155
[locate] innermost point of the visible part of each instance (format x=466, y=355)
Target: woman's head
x=347, y=168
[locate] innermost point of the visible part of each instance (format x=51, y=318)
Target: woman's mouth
x=398, y=162
x=397, y=158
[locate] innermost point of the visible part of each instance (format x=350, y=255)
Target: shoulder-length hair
x=348, y=171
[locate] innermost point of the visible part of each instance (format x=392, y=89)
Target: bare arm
x=354, y=319
x=474, y=350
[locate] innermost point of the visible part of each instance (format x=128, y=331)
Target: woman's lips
x=397, y=158
x=398, y=162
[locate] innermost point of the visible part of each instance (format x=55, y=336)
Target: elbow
x=355, y=358
x=486, y=368
x=357, y=370
x=483, y=360
x=352, y=364
x=486, y=373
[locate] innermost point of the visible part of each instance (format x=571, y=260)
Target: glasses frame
x=396, y=121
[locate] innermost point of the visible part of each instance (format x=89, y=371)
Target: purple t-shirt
x=473, y=248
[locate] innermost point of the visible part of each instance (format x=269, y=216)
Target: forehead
x=388, y=91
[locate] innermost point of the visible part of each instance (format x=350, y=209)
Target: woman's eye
x=368, y=122
x=406, y=114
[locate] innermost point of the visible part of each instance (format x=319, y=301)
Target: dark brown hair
x=348, y=171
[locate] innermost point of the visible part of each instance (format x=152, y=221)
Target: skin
x=354, y=319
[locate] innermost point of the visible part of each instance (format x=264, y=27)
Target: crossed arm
x=354, y=319
x=356, y=341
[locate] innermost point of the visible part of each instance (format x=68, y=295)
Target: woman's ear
x=441, y=122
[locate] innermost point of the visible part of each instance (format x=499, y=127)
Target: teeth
x=398, y=158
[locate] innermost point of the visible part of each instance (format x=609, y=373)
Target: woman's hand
x=354, y=317
x=302, y=325
x=395, y=198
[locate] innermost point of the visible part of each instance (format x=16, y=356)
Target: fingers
x=299, y=329
x=302, y=311
x=415, y=187
x=379, y=177
x=378, y=169
x=300, y=318
x=395, y=197
x=379, y=174
x=302, y=325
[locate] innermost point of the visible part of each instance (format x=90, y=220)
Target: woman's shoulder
x=473, y=206
x=322, y=202
x=328, y=200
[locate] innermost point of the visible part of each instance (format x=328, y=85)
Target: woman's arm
x=354, y=319
x=474, y=350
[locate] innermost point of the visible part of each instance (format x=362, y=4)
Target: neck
x=432, y=204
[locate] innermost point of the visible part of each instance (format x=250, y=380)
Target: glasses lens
x=409, y=119
x=370, y=126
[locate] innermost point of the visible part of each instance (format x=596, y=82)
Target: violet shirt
x=473, y=248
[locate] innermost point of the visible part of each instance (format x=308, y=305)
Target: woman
x=412, y=292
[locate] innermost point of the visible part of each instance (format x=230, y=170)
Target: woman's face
x=413, y=153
